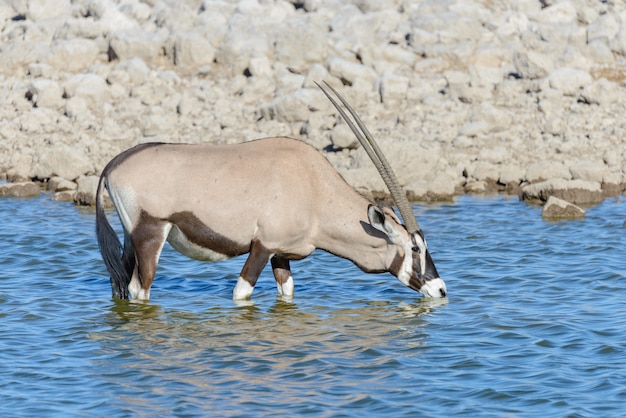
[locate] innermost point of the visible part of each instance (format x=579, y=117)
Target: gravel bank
x=464, y=96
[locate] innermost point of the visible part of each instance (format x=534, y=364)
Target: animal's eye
x=416, y=249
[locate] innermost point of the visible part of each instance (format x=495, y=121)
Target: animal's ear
x=380, y=222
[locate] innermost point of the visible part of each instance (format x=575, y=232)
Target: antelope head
x=412, y=263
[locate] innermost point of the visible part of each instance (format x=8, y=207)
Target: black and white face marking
x=419, y=271
x=419, y=250
x=412, y=264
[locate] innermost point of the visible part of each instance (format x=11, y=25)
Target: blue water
x=535, y=325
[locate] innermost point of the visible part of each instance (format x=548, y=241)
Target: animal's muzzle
x=434, y=288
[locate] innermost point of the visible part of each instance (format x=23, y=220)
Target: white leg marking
x=143, y=295
x=286, y=289
x=134, y=288
x=136, y=291
x=243, y=289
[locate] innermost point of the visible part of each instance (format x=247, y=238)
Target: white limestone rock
x=393, y=89
x=192, y=50
x=136, y=43
x=20, y=189
x=532, y=64
x=556, y=208
x=73, y=55
x=350, y=71
x=574, y=191
x=589, y=170
x=86, y=190
x=92, y=88
x=41, y=10
x=63, y=161
x=601, y=92
x=46, y=93
x=547, y=169
x=570, y=81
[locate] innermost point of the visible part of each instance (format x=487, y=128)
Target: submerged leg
x=282, y=274
x=251, y=271
x=148, y=238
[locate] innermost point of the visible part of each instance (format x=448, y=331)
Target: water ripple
x=533, y=325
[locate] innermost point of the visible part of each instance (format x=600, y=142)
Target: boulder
x=109, y=16
x=135, y=43
x=39, y=120
x=601, y=92
x=191, y=49
x=618, y=43
x=489, y=118
x=21, y=172
x=159, y=123
x=62, y=161
x=73, y=55
x=476, y=186
x=86, y=28
x=574, y=191
x=342, y=137
x=135, y=69
x=41, y=70
x=511, y=175
x=599, y=53
x=15, y=57
x=350, y=72
x=560, y=12
x=294, y=107
x=569, y=80
x=77, y=109
x=40, y=10
x=556, y=208
x=531, y=64
x=90, y=87
x=46, y=93
x=604, y=28
x=20, y=189
x=440, y=188
x=589, y=170
x=241, y=43
x=86, y=191
x=64, y=196
x=544, y=170
x=59, y=184
x=392, y=88
x=299, y=44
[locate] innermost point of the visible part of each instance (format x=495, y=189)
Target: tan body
x=278, y=191
x=277, y=199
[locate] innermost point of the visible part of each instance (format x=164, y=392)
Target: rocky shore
x=465, y=96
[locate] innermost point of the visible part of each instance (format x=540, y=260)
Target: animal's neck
x=352, y=237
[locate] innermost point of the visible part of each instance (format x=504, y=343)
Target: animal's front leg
x=282, y=274
x=251, y=271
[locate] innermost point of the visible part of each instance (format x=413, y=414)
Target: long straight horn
x=378, y=158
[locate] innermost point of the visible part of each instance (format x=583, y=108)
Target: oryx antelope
x=277, y=199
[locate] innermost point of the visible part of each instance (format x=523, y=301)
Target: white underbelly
x=179, y=241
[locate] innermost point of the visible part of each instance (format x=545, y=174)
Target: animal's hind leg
x=282, y=274
x=148, y=238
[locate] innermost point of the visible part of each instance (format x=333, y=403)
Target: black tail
x=120, y=262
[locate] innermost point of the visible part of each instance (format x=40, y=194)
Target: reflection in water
x=275, y=353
